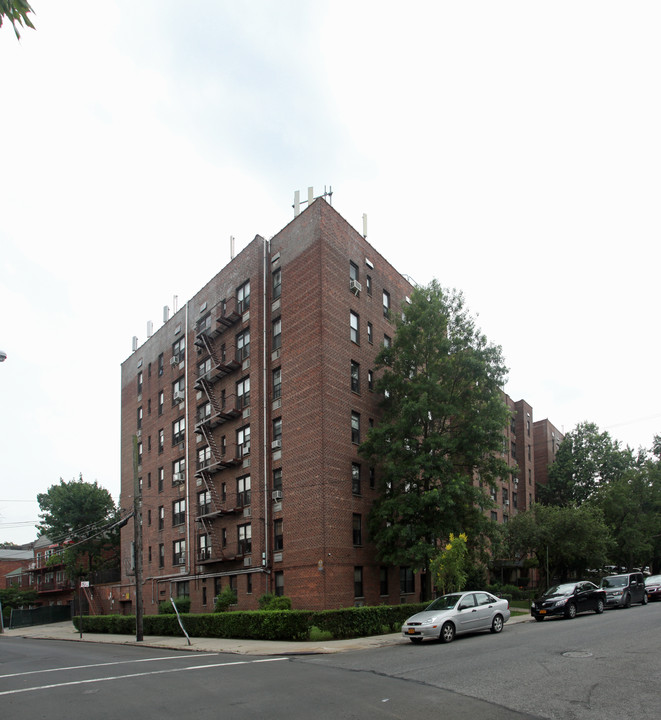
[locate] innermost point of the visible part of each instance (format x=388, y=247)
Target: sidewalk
x=66, y=631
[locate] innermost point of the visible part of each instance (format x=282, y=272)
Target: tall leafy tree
x=564, y=539
x=586, y=459
x=441, y=429
x=82, y=514
x=16, y=11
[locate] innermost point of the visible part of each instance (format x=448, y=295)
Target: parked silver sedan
x=457, y=613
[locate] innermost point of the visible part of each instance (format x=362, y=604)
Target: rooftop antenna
x=166, y=313
x=150, y=328
x=175, y=304
x=231, y=247
x=134, y=343
x=311, y=198
x=365, y=225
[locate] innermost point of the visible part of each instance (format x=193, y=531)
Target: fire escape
x=217, y=360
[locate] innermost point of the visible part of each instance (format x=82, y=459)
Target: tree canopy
x=82, y=514
x=441, y=428
x=16, y=11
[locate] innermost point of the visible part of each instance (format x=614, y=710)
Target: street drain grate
x=577, y=654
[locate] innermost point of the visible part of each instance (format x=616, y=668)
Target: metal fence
x=39, y=616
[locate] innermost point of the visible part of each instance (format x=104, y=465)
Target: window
x=515, y=499
x=529, y=453
x=358, y=582
x=406, y=583
x=243, y=345
x=161, y=517
x=204, y=502
x=161, y=402
x=178, y=512
x=161, y=555
x=354, y=321
x=245, y=539
x=276, y=284
x=179, y=471
x=249, y=584
x=368, y=284
x=383, y=580
x=386, y=303
x=279, y=582
x=277, y=433
x=277, y=535
x=372, y=478
x=513, y=449
x=355, y=377
x=243, y=441
x=386, y=341
x=370, y=380
x=355, y=478
x=353, y=270
x=203, y=412
x=506, y=496
x=178, y=431
x=370, y=333
x=161, y=440
x=179, y=391
x=494, y=516
x=140, y=382
x=277, y=334
x=243, y=393
x=277, y=383
x=161, y=478
x=203, y=547
x=357, y=529
x=243, y=491
x=355, y=428
x=139, y=418
x=178, y=350
x=203, y=457
x=178, y=552
x=277, y=479
x=160, y=365
x=243, y=297
x=204, y=368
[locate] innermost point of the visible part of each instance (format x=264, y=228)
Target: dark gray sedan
x=568, y=600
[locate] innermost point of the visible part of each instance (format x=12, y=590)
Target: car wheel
x=539, y=619
x=570, y=613
x=447, y=632
x=497, y=624
x=644, y=600
x=416, y=640
x=600, y=607
x=627, y=601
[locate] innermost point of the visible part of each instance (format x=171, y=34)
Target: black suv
x=568, y=599
x=622, y=590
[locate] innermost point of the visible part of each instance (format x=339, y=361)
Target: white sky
x=509, y=149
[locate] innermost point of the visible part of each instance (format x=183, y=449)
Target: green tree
x=586, y=459
x=442, y=424
x=16, y=11
x=564, y=540
x=450, y=567
x=84, y=516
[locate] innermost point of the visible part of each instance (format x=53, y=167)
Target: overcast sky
x=509, y=149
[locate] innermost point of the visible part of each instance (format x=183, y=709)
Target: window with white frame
x=354, y=322
x=243, y=491
x=243, y=393
x=245, y=539
x=243, y=345
x=243, y=297
x=178, y=552
x=243, y=441
x=277, y=334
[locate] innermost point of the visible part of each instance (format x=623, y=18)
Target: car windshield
x=445, y=602
x=616, y=581
x=653, y=580
x=557, y=590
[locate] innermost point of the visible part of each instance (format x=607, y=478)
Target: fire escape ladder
x=94, y=604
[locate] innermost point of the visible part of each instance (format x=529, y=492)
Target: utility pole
x=137, y=542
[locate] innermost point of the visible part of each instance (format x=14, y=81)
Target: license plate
x=542, y=612
x=411, y=631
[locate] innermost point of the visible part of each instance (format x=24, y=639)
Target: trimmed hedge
x=261, y=624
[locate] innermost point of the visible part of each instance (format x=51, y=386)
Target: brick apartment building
x=249, y=404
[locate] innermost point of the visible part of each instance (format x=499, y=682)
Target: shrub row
x=260, y=624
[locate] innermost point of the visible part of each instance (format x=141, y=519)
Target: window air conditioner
x=174, y=360
x=276, y=444
x=177, y=478
x=355, y=286
x=276, y=495
x=178, y=395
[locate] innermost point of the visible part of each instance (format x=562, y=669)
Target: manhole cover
x=577, y=654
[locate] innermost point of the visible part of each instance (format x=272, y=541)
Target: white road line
x=117, y=662
x=135, y=675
